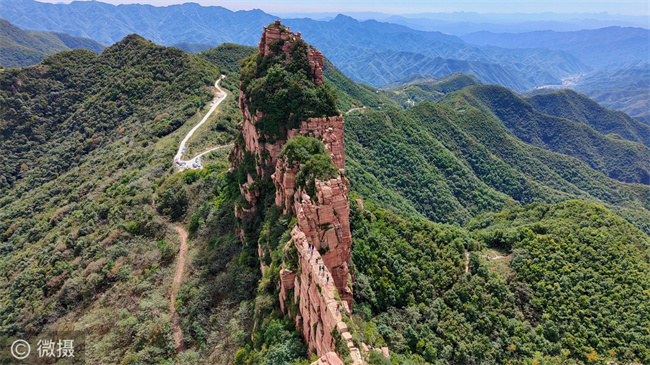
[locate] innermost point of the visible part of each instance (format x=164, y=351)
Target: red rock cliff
x=322, y=290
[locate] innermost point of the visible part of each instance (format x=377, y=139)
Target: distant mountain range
x=626, y=89
x=167, y=25
x=22, y=48
x=387, y=67
x=192, y=47
x=379, y=53
x=462, y=23
x=343, y=40
x=598, y=48
x=350, y=43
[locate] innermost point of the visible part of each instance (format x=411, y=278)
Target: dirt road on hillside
x=176, y=284
x=178, y=276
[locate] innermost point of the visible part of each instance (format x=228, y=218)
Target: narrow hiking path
x=176, y=284
x=177, y=332
x=194, y=162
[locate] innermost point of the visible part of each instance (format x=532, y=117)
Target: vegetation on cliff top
x=283, y=88
x=313, y=160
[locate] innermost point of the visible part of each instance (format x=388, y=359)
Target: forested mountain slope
x=56, y=112
x=452, y=164
x=83, y=249
x=617, y=158
x=22, y=48
x=86, y=139
x=579, y=108
x=541, y=284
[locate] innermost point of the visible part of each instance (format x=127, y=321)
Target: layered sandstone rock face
x=324, y=221
x=320, y=317
x=322, y=291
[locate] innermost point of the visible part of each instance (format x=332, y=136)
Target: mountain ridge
x=338, y=38
x=20, y=47
x=620, y=159
x=600, y=48
x=578, y=107
x=83, y=249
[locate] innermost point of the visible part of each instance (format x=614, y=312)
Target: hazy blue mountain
x=461, y=23
x=645, y=118
x=341, y=39
x=348, y=43
x=606, y=47
x=626, y=89
x=383, y=68
x=22, y=48
x=168, y=25
x=620, y=56
x=461, y=27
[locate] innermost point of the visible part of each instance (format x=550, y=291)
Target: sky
x=626, y=7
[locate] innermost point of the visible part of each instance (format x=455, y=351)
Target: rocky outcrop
x=319, y=285
x=320, y=318
x=323, y=220
x=277, y=32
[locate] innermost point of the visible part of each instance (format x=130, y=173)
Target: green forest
x=573, y=289
x=482, y=239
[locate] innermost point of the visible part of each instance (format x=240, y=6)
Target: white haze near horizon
x=582, y=7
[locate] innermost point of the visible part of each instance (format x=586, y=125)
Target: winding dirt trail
x=176, y=284
x=178, y=276
x=180, y=262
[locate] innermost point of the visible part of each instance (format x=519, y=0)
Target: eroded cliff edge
x=292, y=142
